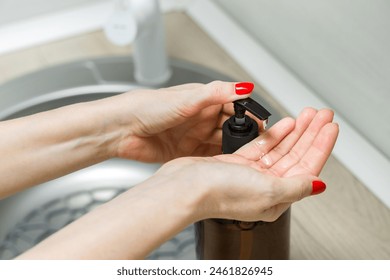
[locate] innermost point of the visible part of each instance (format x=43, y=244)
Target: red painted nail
x=244, y=88
x=318, y=187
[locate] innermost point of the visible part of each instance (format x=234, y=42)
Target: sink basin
x=29, y=217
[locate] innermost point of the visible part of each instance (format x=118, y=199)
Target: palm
x=287, y=150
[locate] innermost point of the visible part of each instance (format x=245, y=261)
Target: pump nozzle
x=252, y=106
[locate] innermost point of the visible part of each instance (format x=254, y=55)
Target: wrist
x=113, y=122
x=185, y=180
x=179, y=196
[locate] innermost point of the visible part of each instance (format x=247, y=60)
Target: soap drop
x=261, y=142
x=266, y=160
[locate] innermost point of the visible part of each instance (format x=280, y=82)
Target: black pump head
x=241, y=129
x=252, y=106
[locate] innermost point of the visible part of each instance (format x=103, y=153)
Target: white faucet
x=140, y=22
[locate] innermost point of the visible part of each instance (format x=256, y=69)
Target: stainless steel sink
x=30, y=216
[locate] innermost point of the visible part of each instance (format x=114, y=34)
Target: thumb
x=298, y=187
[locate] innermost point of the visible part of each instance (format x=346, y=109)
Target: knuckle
x=259, y=146
x=215, y=88
x=301, y=192
x=279, y=150
x=306, y=164
x=293, y=154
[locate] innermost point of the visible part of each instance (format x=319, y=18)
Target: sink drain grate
x=54, y=215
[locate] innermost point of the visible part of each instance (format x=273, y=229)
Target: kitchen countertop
x=346, y=222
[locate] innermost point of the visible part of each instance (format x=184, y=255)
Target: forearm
x=128, y=227
x=47, y=145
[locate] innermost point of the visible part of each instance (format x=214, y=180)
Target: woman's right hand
x=232, y=187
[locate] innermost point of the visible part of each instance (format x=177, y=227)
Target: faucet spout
x=141, y=22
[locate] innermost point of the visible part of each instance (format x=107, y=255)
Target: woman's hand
x=263, y=178
x=178, y=121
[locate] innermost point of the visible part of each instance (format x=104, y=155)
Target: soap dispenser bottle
x=218, y=239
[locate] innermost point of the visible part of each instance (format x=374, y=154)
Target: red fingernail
x=244, y=88
x=317, y=187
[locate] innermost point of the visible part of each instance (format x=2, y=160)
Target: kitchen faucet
x=140, y=22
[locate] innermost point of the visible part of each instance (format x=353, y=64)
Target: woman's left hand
x=184, y=120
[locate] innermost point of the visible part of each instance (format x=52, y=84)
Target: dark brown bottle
x=220, y=239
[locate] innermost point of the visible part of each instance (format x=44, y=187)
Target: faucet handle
x=121, y=27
